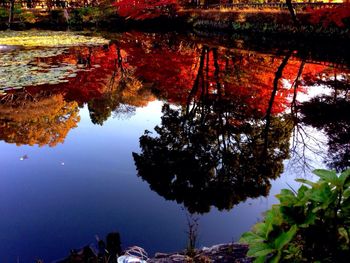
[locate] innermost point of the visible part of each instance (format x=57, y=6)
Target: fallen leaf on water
x=24, y=157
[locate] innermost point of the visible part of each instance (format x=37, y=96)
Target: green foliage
x=17, y=10
x=27, y=17
x=4, y=14
x=85, y=15
x=312, y=224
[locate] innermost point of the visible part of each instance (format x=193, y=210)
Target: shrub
x=27, y=17
x=4, y=14
x=85, y=15
x=312, y=224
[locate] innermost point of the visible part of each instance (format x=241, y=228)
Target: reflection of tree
x=124, y=93
x=212, y=150
x=39, y=119
x=170, y=65
x=105, y=81
x=331, y=113
x=122, y=101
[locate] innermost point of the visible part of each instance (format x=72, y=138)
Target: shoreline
x=264, y=23
x=221, y=253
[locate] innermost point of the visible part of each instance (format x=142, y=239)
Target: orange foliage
x=45, y=120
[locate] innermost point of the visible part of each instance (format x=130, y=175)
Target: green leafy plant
x=310, y=225
x=86, y=15
x=27, y=17
x=4, y=14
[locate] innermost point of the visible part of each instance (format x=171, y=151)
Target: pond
x=148, y=134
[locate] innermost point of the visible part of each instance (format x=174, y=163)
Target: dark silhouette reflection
x=212, y=151
x=331, y=114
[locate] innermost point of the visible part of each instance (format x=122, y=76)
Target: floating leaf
x=25, y=66
x=36, y=38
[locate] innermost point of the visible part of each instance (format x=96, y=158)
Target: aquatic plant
x=312, y=224
x=24, y=66
x=35, y=38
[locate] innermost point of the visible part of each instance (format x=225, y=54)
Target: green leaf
x=344, y=234
x=260, y=229
x=328, y=176
x=345, y=210
x=285, y=237
x=346, y=193
x=309, y=220
x=260, y=249
x=250, y=237
x=273, y=218
x=302, y=192
x=304, y=181
x=293, y=214
x=345, y=177
x=260, y=259
x=321, y=193
x=286, y=197
x=276, y=258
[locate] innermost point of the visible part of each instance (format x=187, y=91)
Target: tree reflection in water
x=226, y=123
x=227, y=119
x=123, y=94
x=213, y=151
x=230, y=130
x=42, y=119
x=44, y=114
x=330, y=113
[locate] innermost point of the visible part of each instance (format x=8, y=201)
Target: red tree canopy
x=328, y=16
x=145, y=9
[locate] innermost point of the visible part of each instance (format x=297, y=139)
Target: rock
x=5, y=48
x=160, y=255
x=223, y=253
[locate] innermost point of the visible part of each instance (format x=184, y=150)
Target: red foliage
x=328, y=16
x=97, y=66
x=146, y=9
x=172, y=68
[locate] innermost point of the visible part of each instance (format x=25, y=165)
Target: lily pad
x=30, y=66
x=36, y=38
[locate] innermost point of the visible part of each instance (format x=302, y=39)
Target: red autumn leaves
x=146, y=9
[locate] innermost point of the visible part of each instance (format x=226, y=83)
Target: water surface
x=151, y=132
